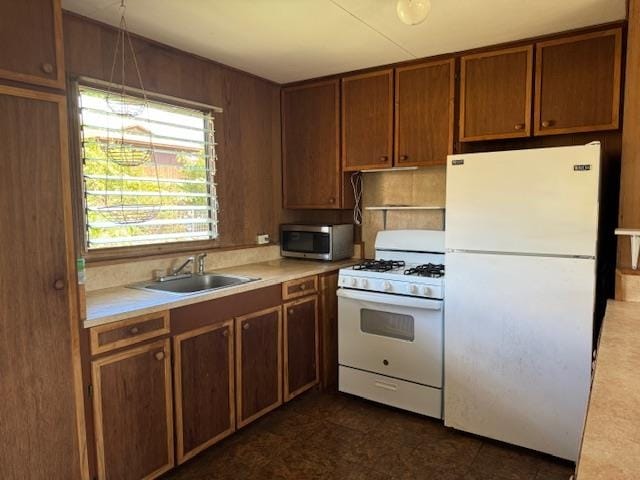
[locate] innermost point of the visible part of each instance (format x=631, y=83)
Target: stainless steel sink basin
x=194, y=283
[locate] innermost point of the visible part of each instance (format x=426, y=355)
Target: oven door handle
x=389, y=299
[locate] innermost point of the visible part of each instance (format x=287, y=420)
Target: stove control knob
x=354, y=282
x=413, y=289
x=387, y=286
x=426, y=291
x=365, y=283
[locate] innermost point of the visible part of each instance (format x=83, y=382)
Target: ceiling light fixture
x=413, y=12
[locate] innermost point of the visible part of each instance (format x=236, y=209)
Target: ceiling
x=289, y=40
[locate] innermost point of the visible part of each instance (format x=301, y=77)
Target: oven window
x=305, y=242
x=387, y=324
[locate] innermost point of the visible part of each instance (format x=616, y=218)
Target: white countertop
x=113, y=304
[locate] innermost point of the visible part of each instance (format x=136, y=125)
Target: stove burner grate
x=427, y=270
x=379, y=265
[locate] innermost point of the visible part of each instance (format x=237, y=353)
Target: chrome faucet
x=200, y=263
x=177, y=271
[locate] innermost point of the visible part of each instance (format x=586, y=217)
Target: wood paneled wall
x=630, y=169
x=248, y=131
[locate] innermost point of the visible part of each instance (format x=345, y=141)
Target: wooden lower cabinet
x=133, y=410
x=300, y=346
x=204, y=387
x=328, y=330
x=258, y=364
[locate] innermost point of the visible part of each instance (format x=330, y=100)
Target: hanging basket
x=126, y=154
x=129, y=214
x=127, y=106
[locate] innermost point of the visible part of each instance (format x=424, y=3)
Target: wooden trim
x=299, y=281
x=177, y=389
x=526, y=131
x=617, y=75
x=287, y=394
x=97, y=348
x=96, y=365
x=239, y=421
x=452, y=90
x=377, y=73
x=285, y=202
x=71, y=280
x=59, y=81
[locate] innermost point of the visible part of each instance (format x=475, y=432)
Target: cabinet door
x=258, y=364
x=31, y=39
x=328, y=330
x=300, y=346
x=367, y=121
x=495, y=94
x=41, y=394
x=133, y=412
x=311, y=145
x=204, y=390
x=424, y=114
x=578, y=83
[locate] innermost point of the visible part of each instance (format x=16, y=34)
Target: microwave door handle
x=386, y=299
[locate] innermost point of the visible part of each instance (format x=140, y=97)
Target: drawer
x=391, y=391
x=105, y=338
x=299, y=287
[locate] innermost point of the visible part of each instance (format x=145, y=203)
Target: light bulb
x=413, y=12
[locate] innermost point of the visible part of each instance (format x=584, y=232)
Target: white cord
x=356, y=183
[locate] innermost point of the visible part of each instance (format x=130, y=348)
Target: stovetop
x=430, y=270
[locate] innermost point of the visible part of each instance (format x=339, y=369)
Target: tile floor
x=336, y=436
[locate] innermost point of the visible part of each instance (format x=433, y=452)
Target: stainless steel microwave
x=318, y=242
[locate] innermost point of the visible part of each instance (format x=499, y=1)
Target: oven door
x=392, y=335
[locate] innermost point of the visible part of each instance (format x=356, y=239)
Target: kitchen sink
x=194, y=283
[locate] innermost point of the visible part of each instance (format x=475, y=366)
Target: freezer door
x=541, y=201
x=518, y=339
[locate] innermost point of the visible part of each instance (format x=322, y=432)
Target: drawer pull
x=404, y=157
x=47, y=68
x=547, y=123
x=134, y=330
x=386, y=386
x=332, y=200
x=291, y=311
x=303, y=286
x=519, y=126
x=159, y=355
x=384, y=158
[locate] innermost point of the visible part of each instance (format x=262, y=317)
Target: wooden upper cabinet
x=424, y=113
x=258, y=364
x=367, y=121
x=300, y=345
x=495, y=94
x=311, y=145
x=204, y=387
x=578, y=83
x=133, y=412
x=31, y=39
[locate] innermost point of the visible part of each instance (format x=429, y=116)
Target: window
x=133, y=196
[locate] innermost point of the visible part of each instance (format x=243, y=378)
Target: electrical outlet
x=263, y=239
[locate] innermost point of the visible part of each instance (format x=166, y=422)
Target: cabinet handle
x=134, y=330
x=245, y=326
x=384, y=158
x=291, y=311
x=159, y=355
x=225, y=333
x=47, y=68
x=332, y=200
x=519, y=126
x=59, y=284
x=303, y=286
x=404, y=157
x=547, y=123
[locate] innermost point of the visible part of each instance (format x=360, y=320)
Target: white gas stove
x=390, y=322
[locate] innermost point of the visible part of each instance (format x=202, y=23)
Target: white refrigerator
x=521, y=235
